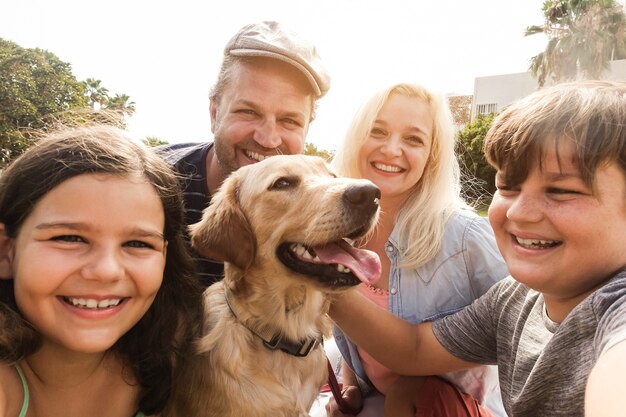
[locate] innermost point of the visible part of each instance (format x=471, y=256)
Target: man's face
x=264, y=110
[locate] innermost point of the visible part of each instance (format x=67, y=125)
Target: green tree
x=121, y=103
x=478, y=177
x=583, y=36
x=461, y=109
x=34, y=83
x=311, y=149
x=97, y=95
x=154, y=141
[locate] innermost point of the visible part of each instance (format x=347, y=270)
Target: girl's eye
x=68, y=238
x=138, y=244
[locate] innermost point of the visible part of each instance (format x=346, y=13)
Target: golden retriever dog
x=280, y=227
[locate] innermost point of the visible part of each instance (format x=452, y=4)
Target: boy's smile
x=557, y=234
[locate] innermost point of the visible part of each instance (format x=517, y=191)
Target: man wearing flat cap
x=261, y=105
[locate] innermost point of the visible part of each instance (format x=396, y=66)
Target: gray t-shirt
x=543, y=365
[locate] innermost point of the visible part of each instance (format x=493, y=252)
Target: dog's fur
x=257, y=213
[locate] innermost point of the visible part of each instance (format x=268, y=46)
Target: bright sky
x=165, y=54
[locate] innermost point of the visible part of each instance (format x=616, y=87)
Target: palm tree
x=96, y=93
x=583, y=36
x=121, y=103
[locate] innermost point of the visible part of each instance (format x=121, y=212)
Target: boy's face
x=555, y=234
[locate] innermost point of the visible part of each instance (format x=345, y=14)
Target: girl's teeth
x=91, y=303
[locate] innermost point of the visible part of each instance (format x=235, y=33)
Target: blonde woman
x=437, y=254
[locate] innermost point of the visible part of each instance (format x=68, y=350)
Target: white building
x=493, y=93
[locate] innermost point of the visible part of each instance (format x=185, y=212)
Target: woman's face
x=89, y=260
x=397, y=148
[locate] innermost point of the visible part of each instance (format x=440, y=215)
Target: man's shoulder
x=173, y=154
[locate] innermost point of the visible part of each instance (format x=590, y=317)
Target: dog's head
x=292, y=212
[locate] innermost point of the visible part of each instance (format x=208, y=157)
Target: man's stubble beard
x=225, y=155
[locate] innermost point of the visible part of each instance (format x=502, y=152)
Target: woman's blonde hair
x=421, y=221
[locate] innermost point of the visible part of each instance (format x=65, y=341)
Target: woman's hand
x=351, y=395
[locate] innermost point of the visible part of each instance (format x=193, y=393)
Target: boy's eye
x=562, y=191
x=506, y=190
x=68, y=238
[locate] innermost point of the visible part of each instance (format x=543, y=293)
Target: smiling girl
x=97, y=296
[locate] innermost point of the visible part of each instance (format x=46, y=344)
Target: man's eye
x=293, y=122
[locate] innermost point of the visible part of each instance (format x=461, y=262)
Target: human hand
x=352, y=403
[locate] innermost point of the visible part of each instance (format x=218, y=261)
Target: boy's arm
x=402, y=347
x=606, y=391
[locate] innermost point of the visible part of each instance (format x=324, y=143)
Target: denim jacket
x=467, y=265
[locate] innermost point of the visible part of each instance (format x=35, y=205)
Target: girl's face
x=556, y=235
x=89, y=260
x=396, y=150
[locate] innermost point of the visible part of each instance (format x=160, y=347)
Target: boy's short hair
x=592, y=114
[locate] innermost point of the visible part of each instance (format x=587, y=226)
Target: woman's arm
x=402, y=347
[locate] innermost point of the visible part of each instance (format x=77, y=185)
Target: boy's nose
x=525, y=208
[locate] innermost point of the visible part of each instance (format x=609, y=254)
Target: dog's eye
x=284, y=183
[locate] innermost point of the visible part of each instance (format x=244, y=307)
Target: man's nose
x=266, y=134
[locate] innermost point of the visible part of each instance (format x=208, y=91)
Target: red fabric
x=439, y=398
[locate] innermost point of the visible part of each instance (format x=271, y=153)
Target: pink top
x=382, y=378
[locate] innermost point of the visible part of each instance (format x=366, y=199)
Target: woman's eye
x=377, y=133
x=416, y=140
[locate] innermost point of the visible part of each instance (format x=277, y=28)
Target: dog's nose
x=363, y=196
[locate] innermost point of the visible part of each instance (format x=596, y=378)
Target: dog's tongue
x=363, y=263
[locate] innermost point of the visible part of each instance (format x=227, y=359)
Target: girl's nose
x=104, y=265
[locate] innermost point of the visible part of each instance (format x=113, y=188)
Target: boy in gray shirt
x=556, y=327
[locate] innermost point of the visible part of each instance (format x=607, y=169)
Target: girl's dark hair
x=164, y=334
x=589, y=114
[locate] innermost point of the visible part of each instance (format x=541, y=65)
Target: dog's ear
x=224, y=233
